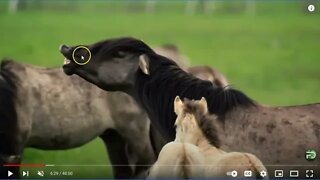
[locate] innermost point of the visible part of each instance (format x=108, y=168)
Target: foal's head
x=193, y=123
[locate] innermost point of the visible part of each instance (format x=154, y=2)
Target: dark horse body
x=276, y=135
x=42, y=109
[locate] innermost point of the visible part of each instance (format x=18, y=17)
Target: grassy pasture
x=273, y=55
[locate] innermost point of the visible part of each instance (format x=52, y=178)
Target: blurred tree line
x=189, y=7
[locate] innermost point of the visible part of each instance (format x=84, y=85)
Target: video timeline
x=46, y=171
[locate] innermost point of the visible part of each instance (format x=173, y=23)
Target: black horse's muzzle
x=68, y=65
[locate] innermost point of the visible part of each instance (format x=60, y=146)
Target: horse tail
x=8, y=115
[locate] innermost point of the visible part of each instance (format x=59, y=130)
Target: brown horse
x=195, y=152
x=211, y=74
x=171, y=51
x=276, y=135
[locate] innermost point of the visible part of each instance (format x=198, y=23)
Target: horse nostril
x=64, y=48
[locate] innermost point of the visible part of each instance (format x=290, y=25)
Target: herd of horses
x=137, y=113
x=38, y=111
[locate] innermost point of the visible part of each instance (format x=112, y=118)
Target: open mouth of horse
x=68, y=64
x=66, y=61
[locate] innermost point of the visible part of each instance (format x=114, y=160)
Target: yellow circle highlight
x=83, y=47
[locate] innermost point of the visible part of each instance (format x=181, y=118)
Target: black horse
x=276, y=135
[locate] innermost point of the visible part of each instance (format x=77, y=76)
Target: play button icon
x=10, y=173
x=81, y=55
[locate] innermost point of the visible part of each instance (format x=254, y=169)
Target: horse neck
x=157, y=92
x=189, y=132
x=200, y=141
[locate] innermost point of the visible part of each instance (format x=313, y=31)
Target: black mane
x=128, y=44
x=156, y=93
x=8, y=115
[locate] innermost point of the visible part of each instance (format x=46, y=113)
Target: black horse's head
x=113, y=65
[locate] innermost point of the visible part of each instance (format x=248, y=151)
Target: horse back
x=277, y=135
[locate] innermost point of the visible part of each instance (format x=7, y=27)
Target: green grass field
x=273, y=56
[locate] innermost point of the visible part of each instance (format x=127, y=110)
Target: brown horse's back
x=276, y=135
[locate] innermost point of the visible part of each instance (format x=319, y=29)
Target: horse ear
x=203, y=104
x=144, y=64
x=178, y=105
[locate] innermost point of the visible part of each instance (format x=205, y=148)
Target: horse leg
x=157, y=141
x=9, y=159
x=11, y=147
x=145, y=151
x=10, y=153
x=143, y=147
x=140, y=157
x=116, y=146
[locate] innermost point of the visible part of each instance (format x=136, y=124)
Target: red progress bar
x=24, y=165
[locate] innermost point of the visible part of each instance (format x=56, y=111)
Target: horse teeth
x=66, y=61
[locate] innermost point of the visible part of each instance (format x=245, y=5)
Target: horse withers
x=195, y=152
x=276, y=135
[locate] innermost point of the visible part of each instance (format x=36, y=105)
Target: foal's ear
x=144, y=64
x=178, y=105
x=204, y=105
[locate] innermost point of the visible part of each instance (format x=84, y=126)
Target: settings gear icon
x=263, y=173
